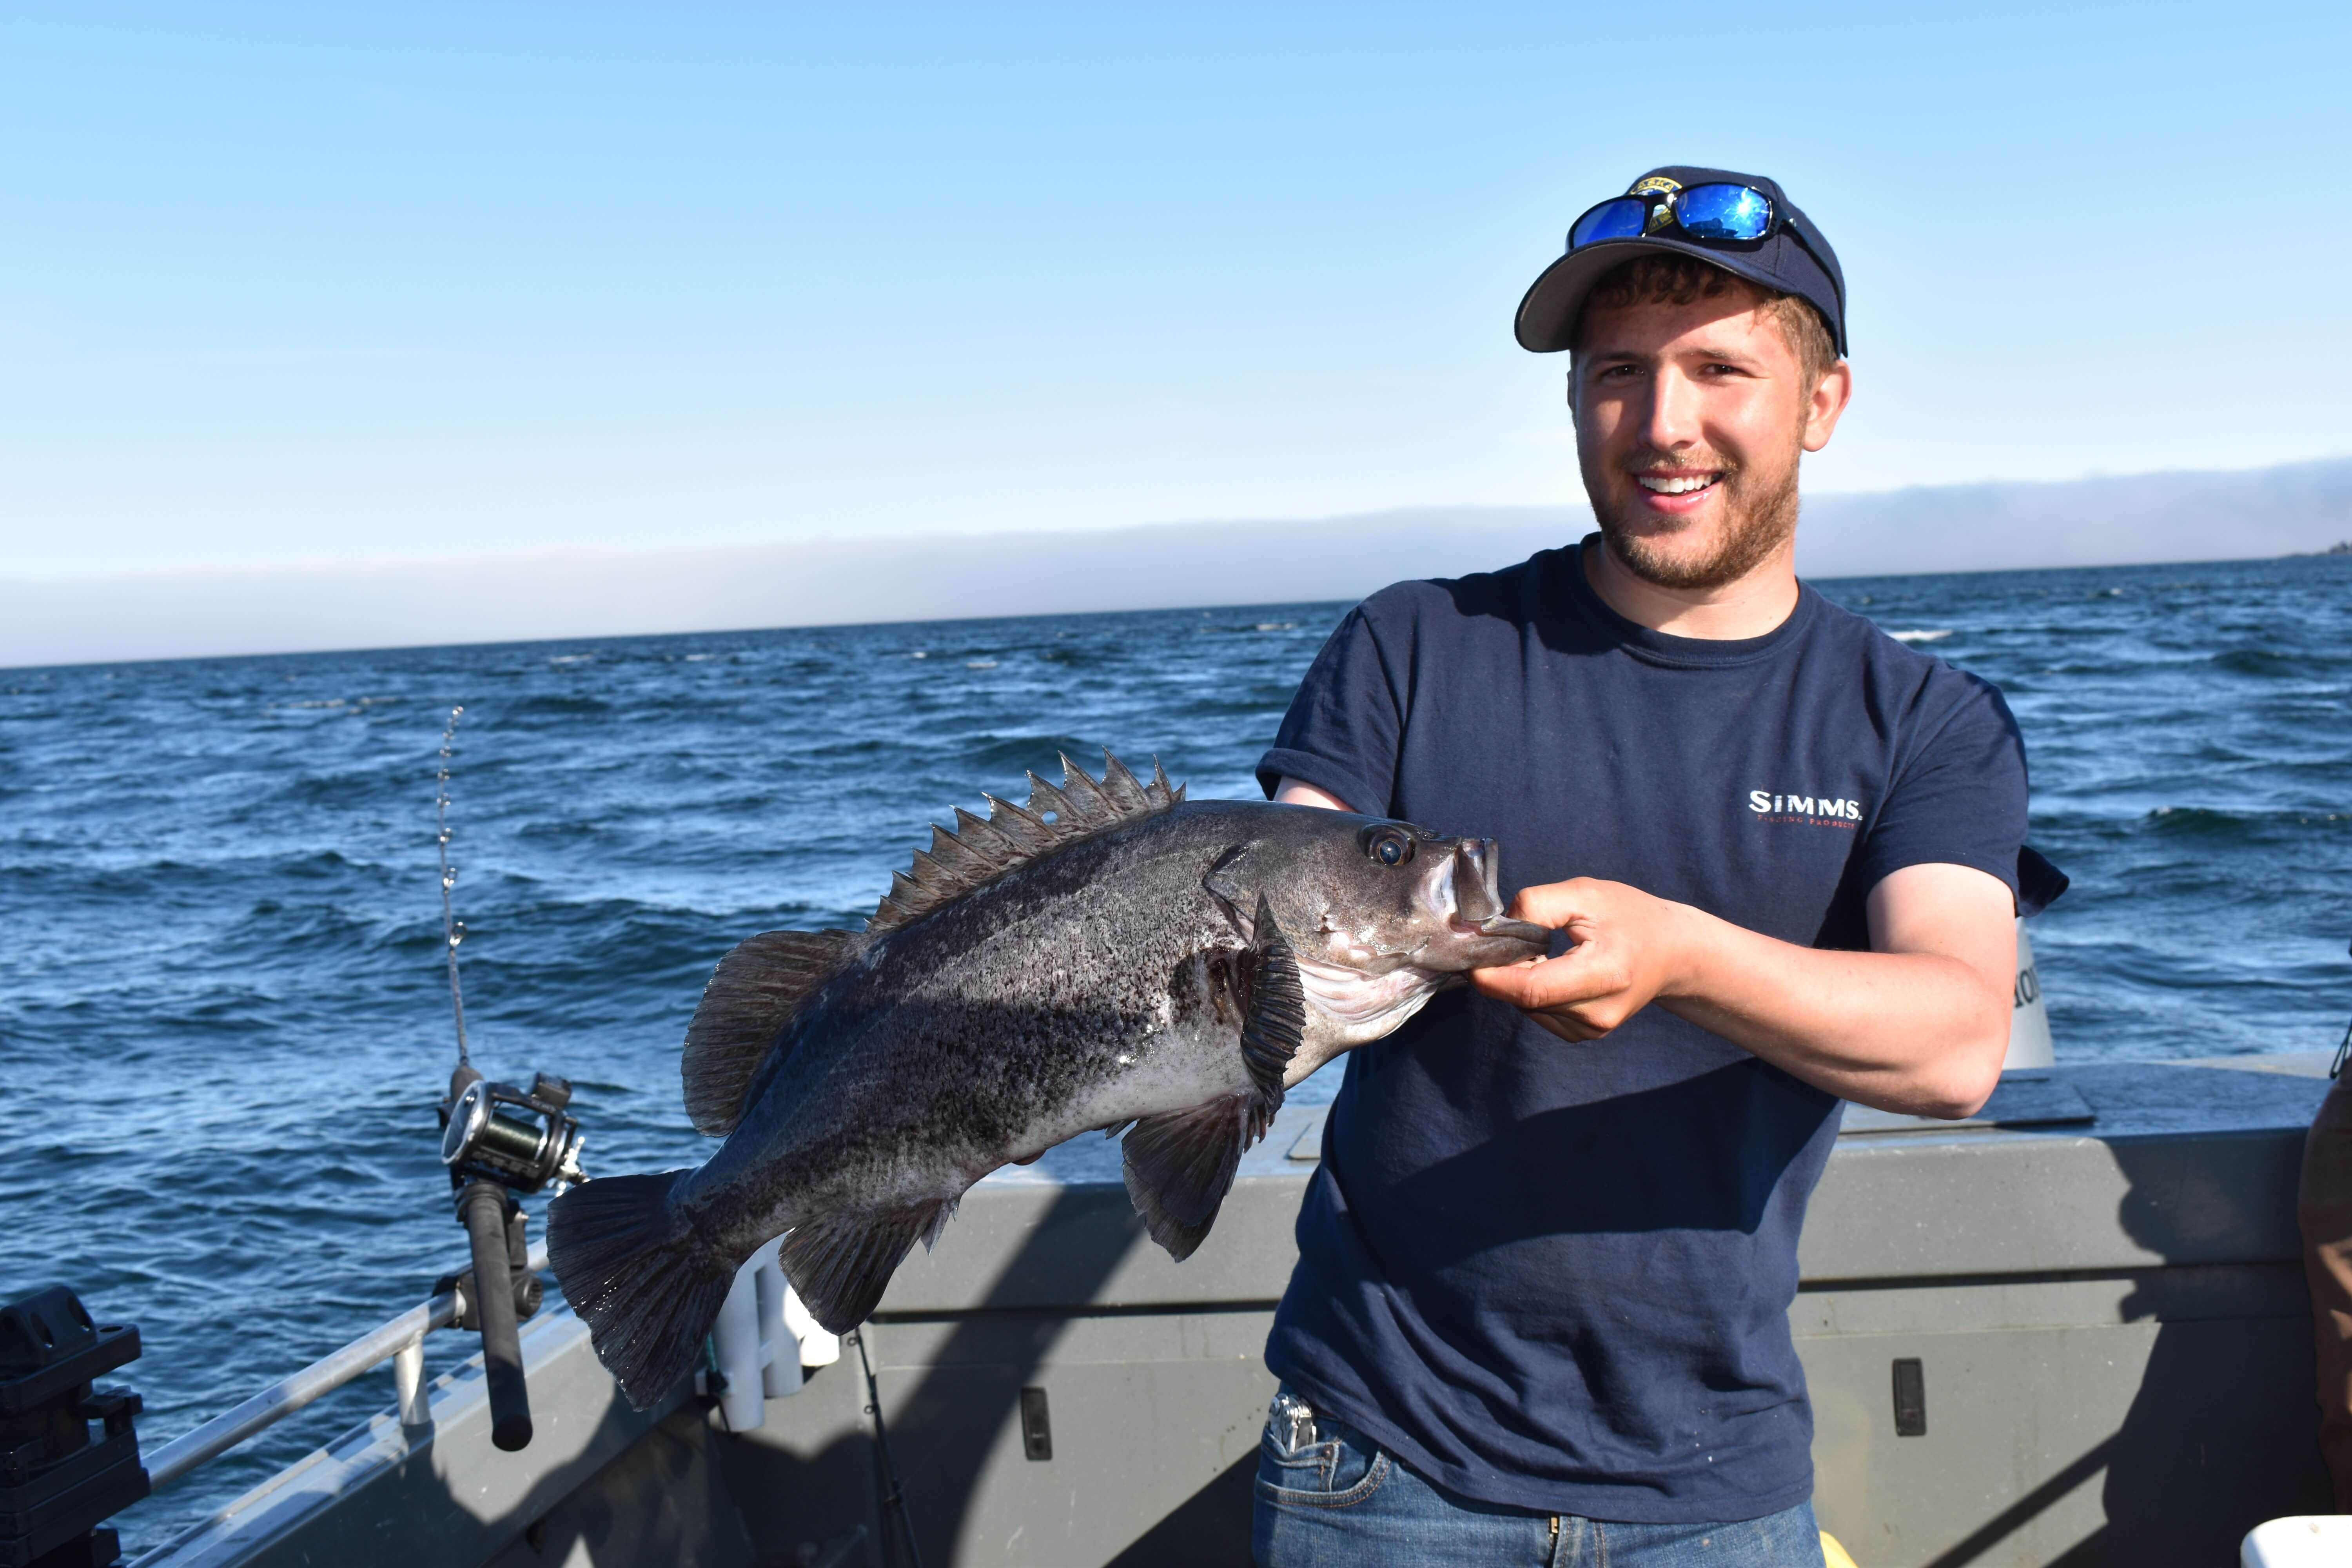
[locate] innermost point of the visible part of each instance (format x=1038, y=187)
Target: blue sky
x=328, y=283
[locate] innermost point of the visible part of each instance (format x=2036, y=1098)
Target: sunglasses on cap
x=1713, y=213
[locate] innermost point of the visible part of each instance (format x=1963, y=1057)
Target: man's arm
x=1919, y=1024
x=1299, y=792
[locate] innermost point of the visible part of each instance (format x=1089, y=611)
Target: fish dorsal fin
x=751, y=995
x=984, y=848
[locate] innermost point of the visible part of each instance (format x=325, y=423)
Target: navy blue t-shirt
x=1557, y=1277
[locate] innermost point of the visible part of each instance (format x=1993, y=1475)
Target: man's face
x=1690, y=420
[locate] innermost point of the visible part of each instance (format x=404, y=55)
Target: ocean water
x=224, y=1021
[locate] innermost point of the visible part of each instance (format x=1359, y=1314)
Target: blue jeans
x=1336, y=1501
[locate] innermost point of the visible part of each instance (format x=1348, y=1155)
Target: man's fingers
x=1574, y=977
x=1560, y=905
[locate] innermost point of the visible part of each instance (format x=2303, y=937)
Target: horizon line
x=308, y=565
x=2342, y=550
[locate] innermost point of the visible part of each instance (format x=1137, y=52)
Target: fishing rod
x=892, y=1501
x=452, y=932
x=497, y=1140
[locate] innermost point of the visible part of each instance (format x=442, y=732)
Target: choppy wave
x=223, y=1023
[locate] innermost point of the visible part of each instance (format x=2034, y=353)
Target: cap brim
x=1547, y=314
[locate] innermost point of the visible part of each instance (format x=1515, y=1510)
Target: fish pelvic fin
x=639, y=1278
x=751, y=996
x=1180, y=1166
x=1013, y=836
x=841, y=1263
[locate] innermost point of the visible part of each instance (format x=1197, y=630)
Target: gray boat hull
x=2102, y=1296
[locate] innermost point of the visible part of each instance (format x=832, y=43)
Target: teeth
x=1675, y=487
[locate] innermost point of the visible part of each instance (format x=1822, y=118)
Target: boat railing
x=400, y=1341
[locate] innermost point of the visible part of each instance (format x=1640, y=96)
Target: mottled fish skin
x=1107, y=954
x=1066, y=995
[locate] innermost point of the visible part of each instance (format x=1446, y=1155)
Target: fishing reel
x=520, y=1140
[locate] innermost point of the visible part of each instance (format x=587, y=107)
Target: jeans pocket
x=1311, y=1460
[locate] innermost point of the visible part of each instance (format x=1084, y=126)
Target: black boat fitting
x=57, y=1482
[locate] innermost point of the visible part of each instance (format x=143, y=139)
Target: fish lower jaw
x=1348, y=1007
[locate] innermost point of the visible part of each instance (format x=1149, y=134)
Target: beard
x=1759, y=517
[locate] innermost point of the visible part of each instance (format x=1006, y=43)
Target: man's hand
x=1630, y=949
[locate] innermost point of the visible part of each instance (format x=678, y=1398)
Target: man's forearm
x=1917, y=1032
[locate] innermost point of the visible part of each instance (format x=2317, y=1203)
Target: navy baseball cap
x=1791, y=258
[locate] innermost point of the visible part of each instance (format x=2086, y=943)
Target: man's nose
x=1670, y=418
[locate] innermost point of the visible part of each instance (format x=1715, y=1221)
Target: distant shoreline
x=1337, y=603
x=2302, y=509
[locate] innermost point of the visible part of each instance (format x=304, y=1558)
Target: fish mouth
x=1482, y=935
x=1502, y=928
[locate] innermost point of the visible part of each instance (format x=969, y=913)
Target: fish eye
x=1388, y=845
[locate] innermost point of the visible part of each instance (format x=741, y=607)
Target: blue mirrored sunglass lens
x=1723, y=212
x=1619, y=219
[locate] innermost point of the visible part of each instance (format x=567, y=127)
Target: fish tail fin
x=639, y=1278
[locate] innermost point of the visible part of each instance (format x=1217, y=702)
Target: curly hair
x=1667, y=278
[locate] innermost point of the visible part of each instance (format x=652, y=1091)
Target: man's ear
x=1830, y=395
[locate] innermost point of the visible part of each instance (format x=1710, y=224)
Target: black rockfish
x=1109, y=955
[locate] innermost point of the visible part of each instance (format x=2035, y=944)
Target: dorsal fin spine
x=1029, y=834
x=1121, y=787
x=1013, y=836
x=962, y=863
x=1044, y=798
x=984, y=839
x=1080, y=789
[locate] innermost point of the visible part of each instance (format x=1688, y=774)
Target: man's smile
x=1674, y=484
x=1676, y=491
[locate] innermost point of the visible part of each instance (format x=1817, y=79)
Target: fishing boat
x=2070, y=1329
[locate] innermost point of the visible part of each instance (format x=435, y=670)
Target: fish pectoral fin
x=1180, y=1166
x=841, y=1263
x=751, y=995
x=1273, y=1016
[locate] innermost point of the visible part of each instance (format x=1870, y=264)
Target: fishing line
x=894, y=1500
x=2344, y=1048
x=452, y=931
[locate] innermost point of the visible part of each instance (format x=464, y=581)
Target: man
x=1540, y=1307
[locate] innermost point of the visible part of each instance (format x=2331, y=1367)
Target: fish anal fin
x=1180, y=1166
x=841, y=1263
x=751, y=996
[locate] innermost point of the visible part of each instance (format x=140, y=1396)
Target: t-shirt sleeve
x=1341, y=732
x=1959, y=798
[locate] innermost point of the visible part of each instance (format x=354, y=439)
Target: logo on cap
x=1660, y=217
